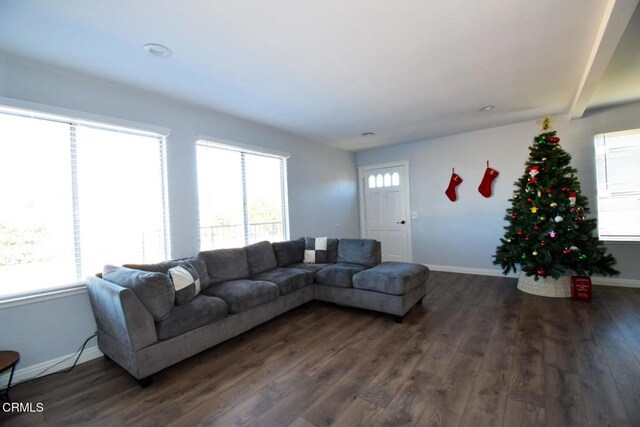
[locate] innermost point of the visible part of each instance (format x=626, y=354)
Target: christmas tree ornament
x=545, y=124
x=490, y=175
x=548, y=226
x=534, y=253
x=534, y=171
x=453, y=183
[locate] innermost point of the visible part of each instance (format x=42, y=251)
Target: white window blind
x=617, y=161
x=76, y=195
x=242, y=196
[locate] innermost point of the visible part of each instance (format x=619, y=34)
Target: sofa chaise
x=149, y=317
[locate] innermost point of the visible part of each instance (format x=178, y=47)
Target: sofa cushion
x=289, y=252
x=186, y=281
x=395, y=278
x=242, y=295
x=200, y=311
x=225, y=264
x=154, y=290
x=287, y=279
x=359, y=251
x=164, y=266
x=260, y=257
x=315, y=250
x=332, y=250
x=313, y=268
x=339, y=275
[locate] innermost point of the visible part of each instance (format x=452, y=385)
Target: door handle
x=401, y=222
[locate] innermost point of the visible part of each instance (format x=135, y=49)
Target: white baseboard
x=596, y=280
x=61, y=363
x=468, y=270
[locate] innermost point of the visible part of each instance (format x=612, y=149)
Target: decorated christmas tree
x=548, y=232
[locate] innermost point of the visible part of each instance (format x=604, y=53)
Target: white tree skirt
x=546, y=286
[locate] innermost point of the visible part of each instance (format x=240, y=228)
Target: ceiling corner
x=614, y=22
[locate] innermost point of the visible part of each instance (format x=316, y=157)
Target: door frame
x=404, y=166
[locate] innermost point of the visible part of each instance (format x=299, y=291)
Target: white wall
x=321, y=181
x=466, y=233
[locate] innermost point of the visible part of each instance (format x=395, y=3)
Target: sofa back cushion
x=289, y=252
x=164, y=266
x=225, y=264
x=260, y=257
x=365, y=252
x=154, y=290
x=332, y=250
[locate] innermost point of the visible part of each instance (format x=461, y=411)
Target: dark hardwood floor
x=478, y=352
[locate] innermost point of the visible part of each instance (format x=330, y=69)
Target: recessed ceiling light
x=487, y=108
x=367, y=134
x=157, y=50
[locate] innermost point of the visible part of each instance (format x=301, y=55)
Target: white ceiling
x=332, y=69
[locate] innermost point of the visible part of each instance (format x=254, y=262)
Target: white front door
x=384, y=206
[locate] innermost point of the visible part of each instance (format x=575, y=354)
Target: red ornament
x=553, y=139
x=565, y=188
x=542, y=243
x=535, y=227
x=514, y=216
x=529, y=200
x=526, y=238
x=577, y=218
x=549, y=190
x=540, y=272
x=566, y=251
x=519, y=232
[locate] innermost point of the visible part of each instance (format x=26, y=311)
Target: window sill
x=43, y=296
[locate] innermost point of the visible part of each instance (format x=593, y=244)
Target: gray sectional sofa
x=145, y=325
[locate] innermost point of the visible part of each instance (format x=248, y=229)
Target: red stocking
x=485, y=186
x=453, y=183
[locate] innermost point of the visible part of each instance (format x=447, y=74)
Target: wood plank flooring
x=477, y=353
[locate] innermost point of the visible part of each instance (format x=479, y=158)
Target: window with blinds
x=76, y=195
x=242, y=196
x=617, y=161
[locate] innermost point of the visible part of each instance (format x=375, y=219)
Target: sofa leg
x=398, y=319
x=146, y=381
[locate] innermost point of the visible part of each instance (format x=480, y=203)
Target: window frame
x=600, y=157
x=74, y=119
x=218, y=143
